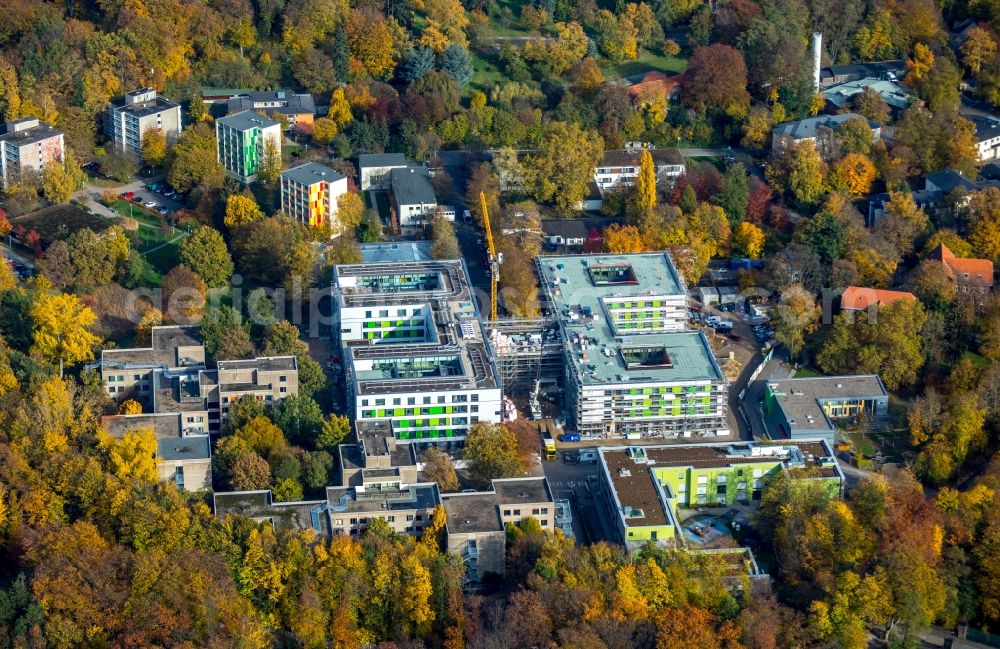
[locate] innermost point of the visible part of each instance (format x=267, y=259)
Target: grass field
x=57, y=222
x=155, y=240
x=644, y=63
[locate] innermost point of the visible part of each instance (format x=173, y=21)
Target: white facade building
x=128, y=118
x=418, y=366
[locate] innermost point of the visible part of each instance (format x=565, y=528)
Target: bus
x=550, y=449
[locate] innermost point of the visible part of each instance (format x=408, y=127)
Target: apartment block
x=298, y=109
x=651, y=491
x=810, y=407
x=417, y=364
x=127, y=119
x=183, y=451
x=309, y=194
x=620, y=168
x=241, y=140
x=476, y=522
x=171, y=377
x=631, y=368
x=26, y=146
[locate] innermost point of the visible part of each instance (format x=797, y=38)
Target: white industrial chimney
x=817, y=58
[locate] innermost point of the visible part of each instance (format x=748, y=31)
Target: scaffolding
x=527, y=351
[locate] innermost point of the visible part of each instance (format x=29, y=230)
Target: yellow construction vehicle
x=494, y=259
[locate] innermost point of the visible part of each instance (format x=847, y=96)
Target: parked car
x=466, y=216
x=128, y=195
x=164, y=211
x=136, y=199
x=569, y=437
x=571, y=458
x=150, y=203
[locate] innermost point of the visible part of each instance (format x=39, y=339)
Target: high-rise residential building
x=242, y=141
x=631, y=368
x=309, y=194
x=418, y=368
x=128, y=118
x=27, y=145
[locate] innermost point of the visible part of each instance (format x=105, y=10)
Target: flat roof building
x=26, y=146
x=649, y=489
x=374, y=168
x=417, y=364
x=476, y=522
x=127, y=119
x=183, y=452
x=171, y=377
x=406, y=508
x=412, y=195
x=309, y=194
x=242, y=142
x=631, y=367
x=299, y=109
x=809, y=407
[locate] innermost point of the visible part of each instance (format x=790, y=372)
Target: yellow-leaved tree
x=748, y=240
x=645, y=184
x=60, y=329
x=241, y=210
x=130, y=407
x=131, y=457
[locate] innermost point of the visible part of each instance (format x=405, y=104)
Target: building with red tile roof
x=653, y=85
x=859, y=298
x=974, y=277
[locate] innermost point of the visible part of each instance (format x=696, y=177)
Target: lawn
x=979, y=362
x=154, y=240
x=485, y=75
x=647, y=61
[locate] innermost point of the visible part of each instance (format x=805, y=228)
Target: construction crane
x=494, y=259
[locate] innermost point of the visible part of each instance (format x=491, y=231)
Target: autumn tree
x=978, y=48
x=902, y=222
x=491, y=451
x=888, y=345
x=561, y=169
x=241, y=209
x=444, y=243
x=334, y=431
x=748, y=240
x=854, y=173
x=716, y=78
x=806, y=177
x=183, y=295
x=205, y=253
x=645, y=183
x=61, y=178
x=193, y=160
x=623, y=239
x=154, y=146
x=796, y=317
x=439, y=468
x=269, y=169
x=60, y=329
x=130, y=407
x=144, y=328
x=131, y=457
